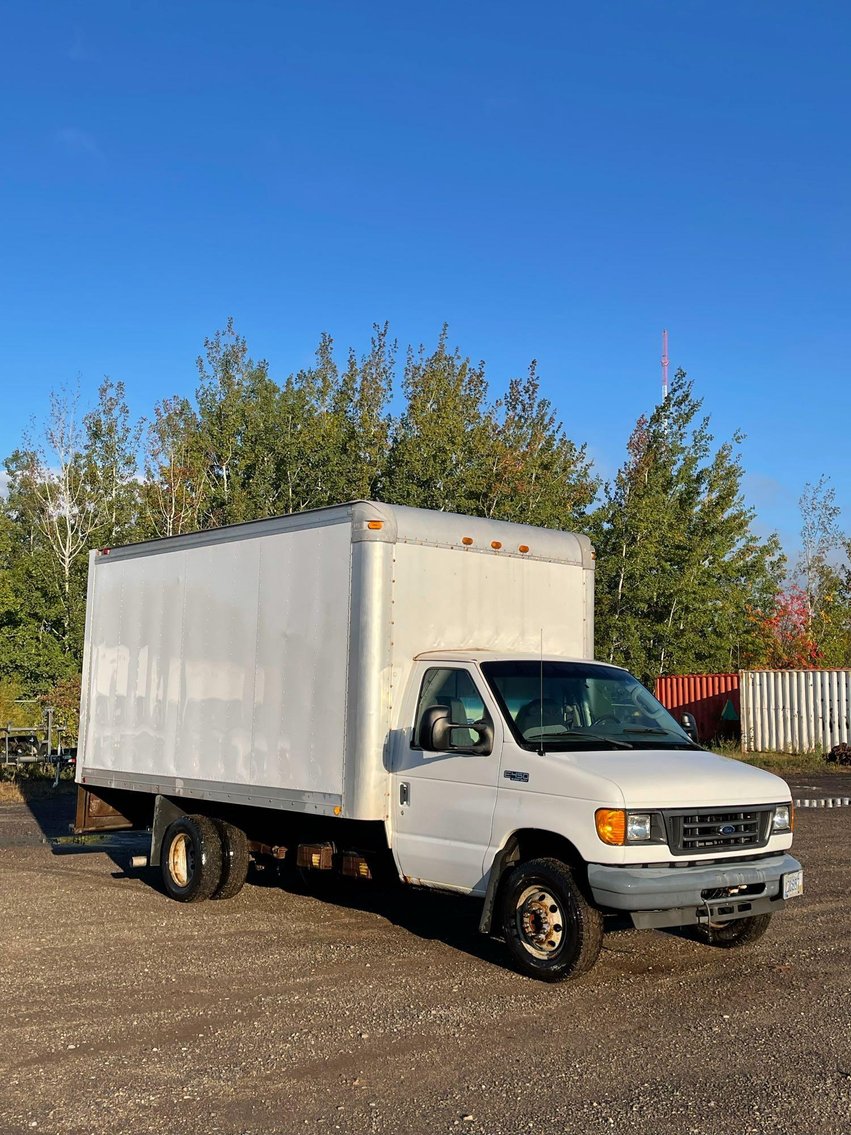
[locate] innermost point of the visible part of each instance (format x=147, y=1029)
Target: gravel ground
x=277, y=1012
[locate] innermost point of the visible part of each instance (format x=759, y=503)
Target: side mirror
x=435, y=727
x=485, y=732
x=690, y=726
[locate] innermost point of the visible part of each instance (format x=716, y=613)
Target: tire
x=191, y=859
x=732, y=935
x=551, y=930
x=235, y=860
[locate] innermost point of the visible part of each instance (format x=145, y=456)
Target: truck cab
x=559, y=790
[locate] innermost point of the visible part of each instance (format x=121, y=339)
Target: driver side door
x=444, y=801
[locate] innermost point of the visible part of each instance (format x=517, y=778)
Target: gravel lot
x=277, y=1012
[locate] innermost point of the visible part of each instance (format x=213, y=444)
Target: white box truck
x=368, y=687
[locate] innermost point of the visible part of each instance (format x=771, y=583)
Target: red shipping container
x=704, y=696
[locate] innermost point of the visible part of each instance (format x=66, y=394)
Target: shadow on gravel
x=53, y=811
x=451, y=919
x=51, y=808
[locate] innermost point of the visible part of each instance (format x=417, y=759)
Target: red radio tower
x=664, y=366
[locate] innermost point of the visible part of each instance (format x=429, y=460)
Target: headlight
x=638, y=827
x=784, y=818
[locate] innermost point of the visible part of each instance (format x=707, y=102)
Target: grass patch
x=32, y=781
x=783, y=764
x=19, y=791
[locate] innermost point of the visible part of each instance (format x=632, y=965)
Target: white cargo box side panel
x=221, y=669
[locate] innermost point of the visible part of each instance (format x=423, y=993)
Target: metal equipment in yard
x=43, y=744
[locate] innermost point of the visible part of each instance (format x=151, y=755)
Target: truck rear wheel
x=235, y=859
x=551, y=930
x=191, y=858
x=738, y=932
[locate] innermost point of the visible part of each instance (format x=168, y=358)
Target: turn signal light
x=375, y=525
x=611, y=825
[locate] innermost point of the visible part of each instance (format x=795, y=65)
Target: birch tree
x=174, y=492
x=111, y=456
x=58, y=510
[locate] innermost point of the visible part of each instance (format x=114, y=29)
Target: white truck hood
x=680, y=778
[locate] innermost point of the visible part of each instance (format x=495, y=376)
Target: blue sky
x=557, y=181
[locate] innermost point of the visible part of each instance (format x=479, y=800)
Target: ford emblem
x=728, y=829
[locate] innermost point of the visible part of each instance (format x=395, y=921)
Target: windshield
x=576, y=705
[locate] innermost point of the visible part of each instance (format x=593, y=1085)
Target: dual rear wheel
x=203, y=858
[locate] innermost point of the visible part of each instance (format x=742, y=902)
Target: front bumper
x=677, y=896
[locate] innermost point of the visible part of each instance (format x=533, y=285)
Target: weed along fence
x=788, y=711
x=795, y=711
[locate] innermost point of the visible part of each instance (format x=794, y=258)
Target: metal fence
x=795, y=711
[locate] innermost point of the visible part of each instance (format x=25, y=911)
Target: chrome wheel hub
x=540, y=922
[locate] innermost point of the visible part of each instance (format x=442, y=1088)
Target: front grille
x=705, y=830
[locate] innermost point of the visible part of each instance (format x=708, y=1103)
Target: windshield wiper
x=648, y=729
x=688, y=743
x=539, y=741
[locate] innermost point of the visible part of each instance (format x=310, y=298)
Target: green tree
x=174, y=493
x=57, y=510
x=310, y=434
x=440, y=445
x=680, y=572
x=225, y=399
x=318, y=439
x=824, y=574
x=536, y=474
x=362, y=399
x=110, y=455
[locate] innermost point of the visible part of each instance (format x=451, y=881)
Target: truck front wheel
x=551, y=930
x=738, y=932
x=191, y=859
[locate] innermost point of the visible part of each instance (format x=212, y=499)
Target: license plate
x=793, y=884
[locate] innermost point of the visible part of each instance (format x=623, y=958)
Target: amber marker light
x=467, y=540
x=524, y=548
x=375, y=525
x=611, y=825
x=496, y=545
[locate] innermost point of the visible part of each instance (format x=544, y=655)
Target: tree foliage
x=682, y=582
x=536, y=474
x=824, y=577
x=679, y=568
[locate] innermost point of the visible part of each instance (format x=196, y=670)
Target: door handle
x=404, y=793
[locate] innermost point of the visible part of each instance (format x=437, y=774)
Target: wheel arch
x=523, y=844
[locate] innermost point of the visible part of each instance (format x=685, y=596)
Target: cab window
x=456, y=690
